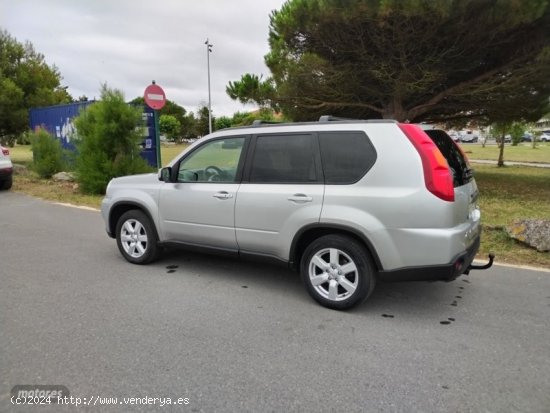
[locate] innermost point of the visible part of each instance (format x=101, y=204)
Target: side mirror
x=165, y=174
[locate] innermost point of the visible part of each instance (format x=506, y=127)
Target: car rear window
x=462, y=173
x=284, y=159
x=346, y=156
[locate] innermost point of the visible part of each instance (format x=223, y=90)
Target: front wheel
x=7, y=183
x=136, y=237
x=337, y=271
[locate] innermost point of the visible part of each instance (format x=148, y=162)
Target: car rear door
x=282, y=191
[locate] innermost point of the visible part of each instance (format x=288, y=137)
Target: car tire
x=337, y=271
x=136, y=238
x=6, y=183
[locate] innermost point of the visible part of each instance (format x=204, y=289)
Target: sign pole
x=157, y=137
x=155, y=98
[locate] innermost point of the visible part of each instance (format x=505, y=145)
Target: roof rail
x=330, y=118
x=259, y=122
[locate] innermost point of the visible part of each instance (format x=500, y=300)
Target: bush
x=8, y=140
x=47, y=154
x=516, y=131
x=25, y=138
x=108, y=138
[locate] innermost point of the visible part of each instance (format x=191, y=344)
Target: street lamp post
x=208, y=51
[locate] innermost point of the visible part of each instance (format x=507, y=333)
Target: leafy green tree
x=251, y=89
x=169, y=126
x=501, y=129
x=247, y=118
x=189, y=126
x=47, y=154
x=109, y=134
x=26, y=81
x=405, y=59
x=516, y=132
x=201, y=125
x=223, y=122
x=170, y=108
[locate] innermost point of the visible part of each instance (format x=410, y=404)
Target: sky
x=129, y=43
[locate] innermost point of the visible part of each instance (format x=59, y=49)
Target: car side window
x=215, y=161
x=284, y=159
x=346, y=156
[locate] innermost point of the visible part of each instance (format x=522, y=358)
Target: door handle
x=223, y=195
x=300, y=198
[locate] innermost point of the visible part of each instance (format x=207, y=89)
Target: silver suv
x=344, y=202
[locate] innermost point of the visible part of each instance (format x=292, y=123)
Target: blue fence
x=58, y=120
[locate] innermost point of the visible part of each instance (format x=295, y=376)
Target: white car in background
x=6, y=169
x=545, y=137
x=468, y=137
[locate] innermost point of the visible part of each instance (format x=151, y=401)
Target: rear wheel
x=136, y=237
x=337, y=271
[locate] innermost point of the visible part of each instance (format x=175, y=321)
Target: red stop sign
x=154, y=97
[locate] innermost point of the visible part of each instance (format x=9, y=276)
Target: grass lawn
x=506, y=194
x=524, y=152
x=169, y=152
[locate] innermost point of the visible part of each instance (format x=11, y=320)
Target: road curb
x=86, y=208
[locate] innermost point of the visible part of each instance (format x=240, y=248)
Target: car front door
x=199, y=208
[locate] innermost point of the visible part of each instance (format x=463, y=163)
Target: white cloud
x=128, y=43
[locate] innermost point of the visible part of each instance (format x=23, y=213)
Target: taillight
x=5, y=151
x=437, y=175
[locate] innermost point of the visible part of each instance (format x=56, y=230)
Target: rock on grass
x=533, y=232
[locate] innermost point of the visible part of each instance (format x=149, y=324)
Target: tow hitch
x=482, y=267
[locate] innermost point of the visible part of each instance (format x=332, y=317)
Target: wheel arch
x=309, y=233
x=121, y=207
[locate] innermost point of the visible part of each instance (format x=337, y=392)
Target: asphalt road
x=238, y=336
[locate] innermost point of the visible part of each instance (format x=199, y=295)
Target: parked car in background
x=454, y=136
x=507, y=139
x=545, y=137
x=527, y=137
x=6, y=169
x=468, y=137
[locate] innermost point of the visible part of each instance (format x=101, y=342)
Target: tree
x=516, y=132
x=26, y=81
x=223, y=122
x=169, y=126
x=408, y=59
x=170, y=108
x=201, y=124
x=189, y=126
x=251, y=89
x=109, y=134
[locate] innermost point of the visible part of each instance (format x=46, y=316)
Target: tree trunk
x=395, y=111
x=501, y=152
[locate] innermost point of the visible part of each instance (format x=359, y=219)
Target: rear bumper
x=448, y=272
x=6, y=172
